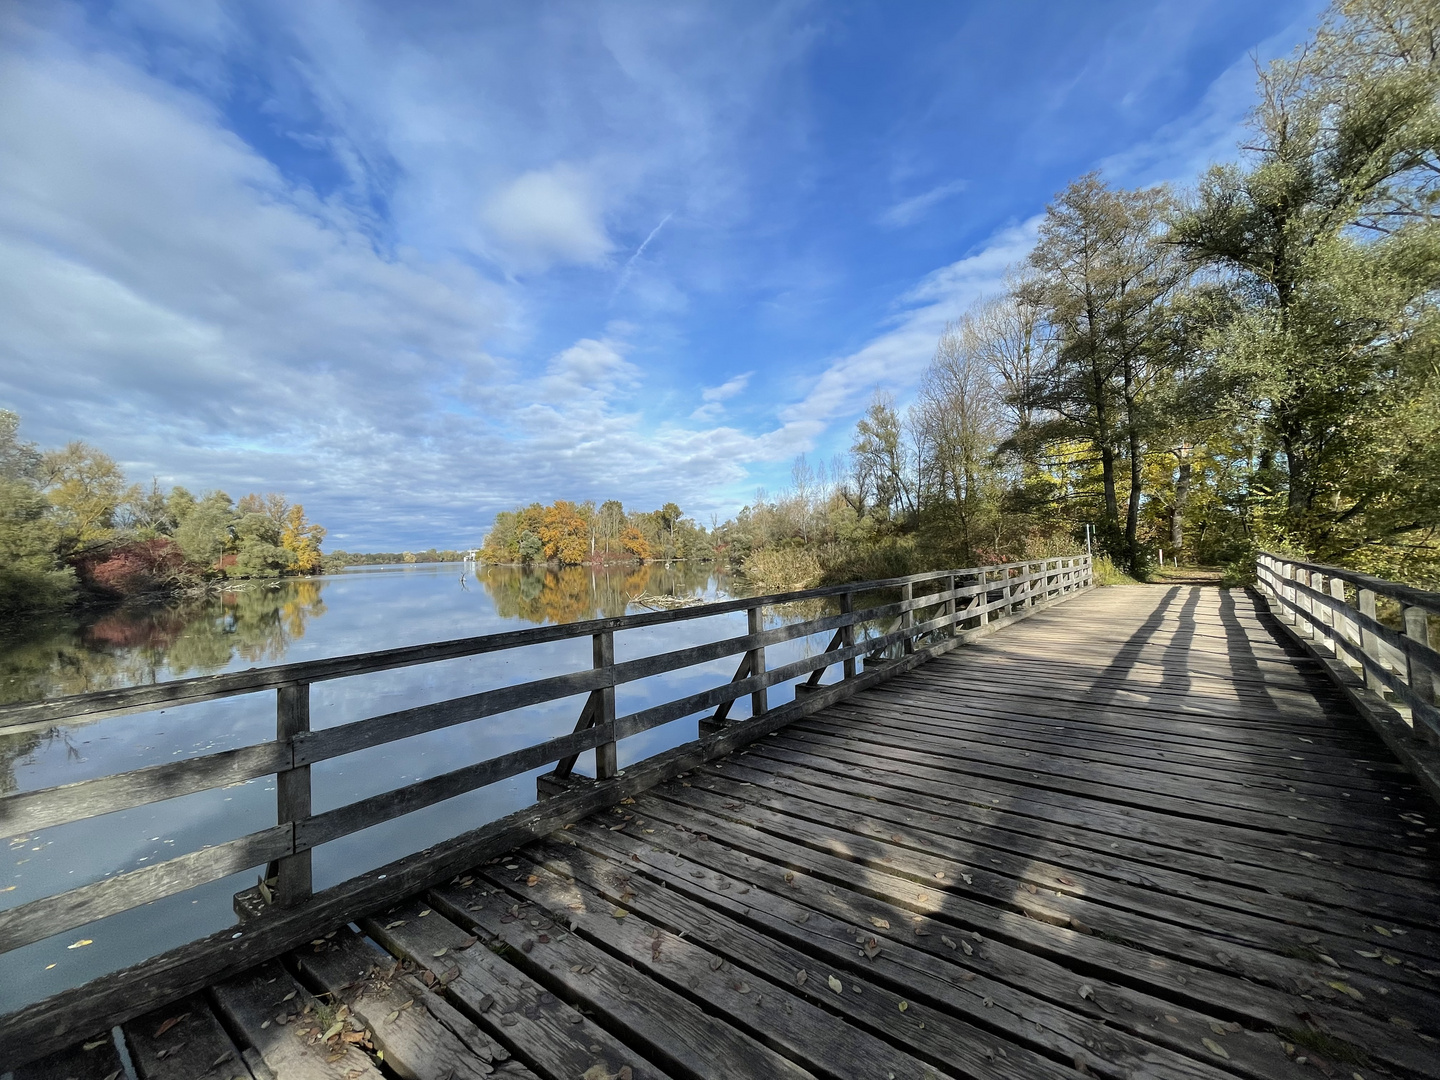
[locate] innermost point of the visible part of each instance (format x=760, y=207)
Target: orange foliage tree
x=565, y=533
x=633, y=541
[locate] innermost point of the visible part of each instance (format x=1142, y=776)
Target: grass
x=1105, y=572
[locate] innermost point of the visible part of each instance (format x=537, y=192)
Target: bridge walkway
x=1136, y=835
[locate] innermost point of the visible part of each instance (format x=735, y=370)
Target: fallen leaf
x=966, y=946
x=880, y=924
x=904, y=1005
x=947, y=941
x=1345, y=988
x=872, y=948
x=424, y=913
x=80, y=944
x=439, y=952
x=836, y=984
x=1368, y=955
x=967, y=879
x=800, y=977
x=532, y=880
x=101, y=1042
x=1215, y=1048
x=619, y=913
x=333, y=1030
x=1086, y=992
x=394, y=1015
x=168, y=1024
x=392, y=925
x=1217, y=1027
x=1381, y=931
x=715, y=963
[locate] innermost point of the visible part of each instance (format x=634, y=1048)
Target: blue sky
x=415, y=263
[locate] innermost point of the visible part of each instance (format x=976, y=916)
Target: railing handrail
x=1401, y=663
x=96, y=704
x=1405, y=594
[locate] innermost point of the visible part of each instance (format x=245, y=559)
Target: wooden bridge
x=1150, y=831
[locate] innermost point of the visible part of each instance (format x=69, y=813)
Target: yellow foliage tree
x=565, y=533
x=302, y=539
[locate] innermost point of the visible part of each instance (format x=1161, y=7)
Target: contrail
x=630, y=262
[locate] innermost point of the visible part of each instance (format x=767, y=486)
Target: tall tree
x=1102, y=277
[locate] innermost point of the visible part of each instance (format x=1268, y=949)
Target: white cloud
x=909, y=211
x=548, y=216
x=728, y=389
x=895, y=358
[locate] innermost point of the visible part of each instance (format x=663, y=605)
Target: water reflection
x=264, y=623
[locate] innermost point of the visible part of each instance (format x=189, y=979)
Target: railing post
x=847, y=633
x=1370, y=641
x=292, y=794
x=602, y=648
x=1422, y=679
x=950, y=606
x=907, y=617
x=1303, y=602
x=759, y=699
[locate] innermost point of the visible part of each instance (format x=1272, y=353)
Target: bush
x=144, y=566
x=1105, y=572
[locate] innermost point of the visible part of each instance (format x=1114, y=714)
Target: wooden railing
x=966, y=597
x=1346, y=611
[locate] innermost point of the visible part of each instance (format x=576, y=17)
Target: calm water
x=363, y=609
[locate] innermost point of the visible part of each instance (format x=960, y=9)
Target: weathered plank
x=94, y=1058
x=667, y=1026
x=409, y=1025
x=296, y=1036
x=558, y=1038
x=39, y=919
x=184, y=1042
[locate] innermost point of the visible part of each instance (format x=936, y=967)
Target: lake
x=264, y=623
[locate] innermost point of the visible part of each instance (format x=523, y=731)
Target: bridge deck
x=1132, y=836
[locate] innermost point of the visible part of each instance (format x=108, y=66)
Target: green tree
x=86, y=487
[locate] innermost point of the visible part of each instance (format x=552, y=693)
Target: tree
x=206, y=529
x=302, y=539
x=957, y=424
x=1103, y=277
x=31, y=577
x=881, y=462
x=86, y=487
x=633, y=541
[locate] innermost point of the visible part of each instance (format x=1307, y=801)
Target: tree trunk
x=1177, y=512
x=1132, y=509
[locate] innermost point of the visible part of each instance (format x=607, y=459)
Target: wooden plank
x=1167, y=928
x=293, y=883
x=287, y=1027
x=29, y=811
x=1229, y=880
x=50, y=915
x=1032, y=1002
x=184, y=1042
x=1258, y=920
x=94, y=1058
x=1205, y=991
x=557, y=1038
x=405, y=723
x=397, y=1009
x=1215, y=838
x=666, y=1026
x=758, y=994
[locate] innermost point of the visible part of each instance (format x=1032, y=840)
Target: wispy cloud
x=909, y=211
x=630, y=262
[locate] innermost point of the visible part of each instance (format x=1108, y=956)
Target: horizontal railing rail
x=959, y=599
x=1340, y=609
